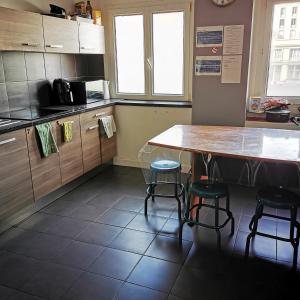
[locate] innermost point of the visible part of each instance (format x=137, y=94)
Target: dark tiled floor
x=95, y=243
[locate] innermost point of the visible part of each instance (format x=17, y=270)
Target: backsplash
x=26, y=77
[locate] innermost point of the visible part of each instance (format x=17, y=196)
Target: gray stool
x=170, y=167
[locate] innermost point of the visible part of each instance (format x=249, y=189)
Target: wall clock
x=222, y=3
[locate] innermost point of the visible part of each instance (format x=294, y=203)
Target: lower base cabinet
x=46, y=175
x=108, y=148
x=15, y=177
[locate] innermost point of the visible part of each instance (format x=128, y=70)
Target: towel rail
x=93, y=127
x=62, y=123
x=100, y=114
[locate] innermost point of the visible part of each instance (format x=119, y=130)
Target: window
x=293, y=22
x=293, y=34
x=275, y=56
x=295, y=54
x=151, y=52
x=294, y=11
x=282, y=12
x=293, y=73
x=280, y=35
x=281, y=23
x=278, y=54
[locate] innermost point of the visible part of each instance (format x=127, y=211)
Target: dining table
x=250, y=144
x=253, y=145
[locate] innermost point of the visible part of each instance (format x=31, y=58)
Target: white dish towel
x=109, y=125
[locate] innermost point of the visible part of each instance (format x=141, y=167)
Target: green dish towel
x=47, y=142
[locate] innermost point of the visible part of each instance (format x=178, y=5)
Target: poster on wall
x=231, y=69
x=233, y=40
x=211, y=36
x=208, y=65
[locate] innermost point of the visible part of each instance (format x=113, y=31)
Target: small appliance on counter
x=278, y=115
x=75, y=92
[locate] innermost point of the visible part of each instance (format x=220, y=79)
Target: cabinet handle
x=54, y=46
x=7, y=141
x=62, y=123
x=100, y=114
x=31, y=44
x=87, y=48
x=93, y=127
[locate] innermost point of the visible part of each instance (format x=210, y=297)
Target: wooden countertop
x=238, y=142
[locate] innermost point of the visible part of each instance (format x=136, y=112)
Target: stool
x=208, y=190
x=281, y=199
x=167, y=167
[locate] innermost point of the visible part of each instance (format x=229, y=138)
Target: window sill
x=156, y=103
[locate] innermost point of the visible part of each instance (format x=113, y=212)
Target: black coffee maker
x=62, y=94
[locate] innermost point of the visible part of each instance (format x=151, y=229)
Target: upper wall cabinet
x=20, y=30
x=91, y=38
x=60, y=35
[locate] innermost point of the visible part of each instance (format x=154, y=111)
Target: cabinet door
x=108, y=148
x=60, y=35
x=90, y=137
x=91, y=38
x=21, y=30
x=15, y=178
x=70, y=153
x=46, y=176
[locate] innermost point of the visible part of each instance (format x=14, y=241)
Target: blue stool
x=277, y=198
x=167, y=167
x=208, y=190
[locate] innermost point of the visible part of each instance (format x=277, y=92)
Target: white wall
x=137, y=124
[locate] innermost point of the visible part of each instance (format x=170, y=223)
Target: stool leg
x=254, y=221
x=229, y=214
x=149, y=194
x=154, y=186
x=217, y=223
x=176, y=196
x=294, y=241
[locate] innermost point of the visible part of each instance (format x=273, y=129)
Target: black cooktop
x=30, y=114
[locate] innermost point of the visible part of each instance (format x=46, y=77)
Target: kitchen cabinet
x=21, y=30
x=60, y=35
x=46, y=174
x=96, y=149
x=70, y=153
x=91, y=38
x=15, y=178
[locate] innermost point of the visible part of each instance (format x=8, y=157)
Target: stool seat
x=278, y=198
x=165, y=166
x=209, y=190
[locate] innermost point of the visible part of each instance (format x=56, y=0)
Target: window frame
x=147, y=11
x=261, y=48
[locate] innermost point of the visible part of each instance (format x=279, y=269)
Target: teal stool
x=208, y=190
x=169, y=167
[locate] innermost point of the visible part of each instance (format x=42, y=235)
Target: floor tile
x=171, y=228
x=155, y=273
x=91, y=286
x=130, y=203
x=115, y=263
x=78, y=255
x=169, y=249
x=133, y=241
x=67, y=227
x=16, y=270
x=99, y=234
x=152, y=224
x=117, y=217
x=108, y=199
x=38, y=222
x=52, y=281
x=89, y=212
x=285, y=251
x=23, y=296
x=171, y=297
x=134, y=292
x=60, y=208
x=5, y=292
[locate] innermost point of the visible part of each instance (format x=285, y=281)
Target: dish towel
x=109, y=126
x=47, y=142
x=68, y=131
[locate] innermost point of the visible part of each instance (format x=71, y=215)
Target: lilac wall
x=215, y=103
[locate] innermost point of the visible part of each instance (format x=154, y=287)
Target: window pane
x=130, y=54
x=284, y=66
x=168, y=45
